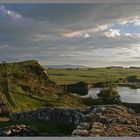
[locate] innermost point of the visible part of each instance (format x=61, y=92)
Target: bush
x=109, y=96
x=132, y=78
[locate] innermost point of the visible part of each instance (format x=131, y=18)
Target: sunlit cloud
x=87, y=32
x=112, y=33
x=133, y=20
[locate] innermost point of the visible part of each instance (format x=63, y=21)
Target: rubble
x=19, y=130
x=109, y=120
x=99, y=120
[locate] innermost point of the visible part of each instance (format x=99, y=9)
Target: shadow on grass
x=45, y=128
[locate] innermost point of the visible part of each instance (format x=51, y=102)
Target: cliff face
x=30, y=77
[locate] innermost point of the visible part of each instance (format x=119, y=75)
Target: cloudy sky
x=94, y=35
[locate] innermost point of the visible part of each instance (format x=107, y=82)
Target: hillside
x=26, y=86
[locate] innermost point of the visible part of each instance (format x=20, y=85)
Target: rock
x=97, y=128
x=79, y=88
x=19, y=130
x=80, y=132
x=84, y=125
x=103, y=119
x=64, y=115
x=88, y=118
x=110, y=120
x=96, y=131
x=15, y=131
x=138, y=119
x=97, y=125
x=99, y=120
x=6, y=132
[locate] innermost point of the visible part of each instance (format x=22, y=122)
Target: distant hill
x=26, y=86
x=64, y=66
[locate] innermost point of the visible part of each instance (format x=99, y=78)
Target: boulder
x=80, y=132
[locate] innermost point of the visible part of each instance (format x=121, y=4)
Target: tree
x=109, y=96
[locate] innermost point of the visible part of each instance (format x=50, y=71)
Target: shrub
x=132, y=78
x=109, y=96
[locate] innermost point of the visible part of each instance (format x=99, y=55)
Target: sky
x=94, y=35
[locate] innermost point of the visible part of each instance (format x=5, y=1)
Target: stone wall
x=52, y=115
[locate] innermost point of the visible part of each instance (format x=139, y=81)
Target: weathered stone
x=97, y=125
x=111, y=120
x=84, y=125
x=104, y=120
x=64, y=116
x=6, y=132
x=18, y=130
x=88, y=118
x=94, y=130
x=80, y=132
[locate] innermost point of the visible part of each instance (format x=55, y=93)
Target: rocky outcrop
x=51, y=115
x=79, y=88
x=19, y=130
x=100, y=120
x=109, y=120
x=134, y=106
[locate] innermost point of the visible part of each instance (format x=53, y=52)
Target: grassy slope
x=64, y=76
x=30, y=88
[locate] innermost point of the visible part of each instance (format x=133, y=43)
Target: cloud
x=128, y=34
x=132, y=20
x=112, y=33
x=88, y=34
x=10, y=13
x=82, y=34
x=132, y=35
x=136, y=22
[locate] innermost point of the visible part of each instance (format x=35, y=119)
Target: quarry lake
x=127, y=94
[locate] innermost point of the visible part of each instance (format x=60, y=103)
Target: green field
x=91, y=75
